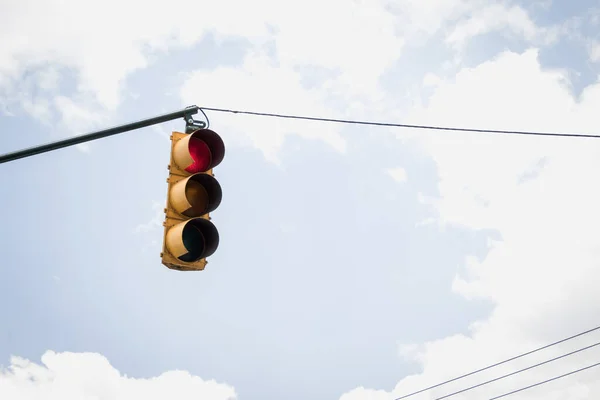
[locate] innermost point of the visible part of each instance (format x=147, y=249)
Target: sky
x=355, y=262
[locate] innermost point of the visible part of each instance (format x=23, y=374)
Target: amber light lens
x=198, y=198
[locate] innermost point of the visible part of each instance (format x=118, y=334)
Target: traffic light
x=193, y=192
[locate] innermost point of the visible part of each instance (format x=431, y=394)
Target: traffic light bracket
x=192, y=124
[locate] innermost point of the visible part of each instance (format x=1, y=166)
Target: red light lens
x=201, y=155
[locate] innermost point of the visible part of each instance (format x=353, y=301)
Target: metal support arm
x=187, y=113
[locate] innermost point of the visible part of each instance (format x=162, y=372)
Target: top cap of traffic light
x=199, y=151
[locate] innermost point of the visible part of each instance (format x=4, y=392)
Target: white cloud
x=260, y=85
x=399, y=174
x=104, y=42
x=494, y=17
x=366, y=394
x=594, y=49
x=356, y=39
x=74, y=35
x=75, y=114
x=155, y=222
x=77, y=117
x=541, y=275
x=418, y=19
x=75, y=376
x=431, y=80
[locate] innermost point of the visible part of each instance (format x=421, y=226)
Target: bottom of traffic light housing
x=192, y=240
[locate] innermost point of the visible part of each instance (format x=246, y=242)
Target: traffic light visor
x=192, y=240
x=196, y=195
x=199, y=151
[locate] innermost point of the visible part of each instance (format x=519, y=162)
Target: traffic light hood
x=196, y=195
x=192, y=240
x=199, y=151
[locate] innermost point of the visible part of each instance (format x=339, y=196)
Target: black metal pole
x=185, y=113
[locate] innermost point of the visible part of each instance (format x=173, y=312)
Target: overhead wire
x=519, y=371
x=500, y=363
x=546, y=381
x=399, y=125
x=206, y=118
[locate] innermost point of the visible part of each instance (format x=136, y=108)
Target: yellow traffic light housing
x=193, y=192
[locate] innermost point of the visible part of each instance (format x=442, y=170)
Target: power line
x=519, y=371
x=500, y=363
x=546, y=381
x=397, y=125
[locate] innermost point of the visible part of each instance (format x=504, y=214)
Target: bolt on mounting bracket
x=192, y=124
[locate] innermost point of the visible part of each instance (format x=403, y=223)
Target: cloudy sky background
x=355, y=262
